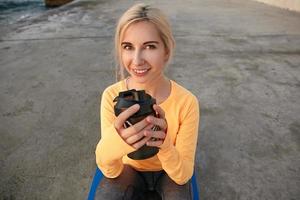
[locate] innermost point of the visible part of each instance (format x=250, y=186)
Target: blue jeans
x=137, y=185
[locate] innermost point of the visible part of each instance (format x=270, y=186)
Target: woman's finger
x=125, y=115
x=133, y=139
x=161, y=122
x=159, y=110
x=155, y=143
x=140, y=143
x=134, y=129
x=155, y=134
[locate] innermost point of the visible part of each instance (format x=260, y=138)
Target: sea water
x=12, y=11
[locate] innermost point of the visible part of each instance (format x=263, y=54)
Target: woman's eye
x=150, y=46
x=127, y=47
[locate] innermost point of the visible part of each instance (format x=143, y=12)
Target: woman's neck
x=159, y=88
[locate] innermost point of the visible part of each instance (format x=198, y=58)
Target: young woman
x=144, y=45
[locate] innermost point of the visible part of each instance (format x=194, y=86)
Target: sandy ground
x=240, y=58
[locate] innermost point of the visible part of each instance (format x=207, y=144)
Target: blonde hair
x=141, y=12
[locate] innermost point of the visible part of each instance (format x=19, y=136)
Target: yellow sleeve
x=111, y=147
x=178, y=160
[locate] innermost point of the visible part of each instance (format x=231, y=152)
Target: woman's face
x=143, y=52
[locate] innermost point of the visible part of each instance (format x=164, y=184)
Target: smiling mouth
x=140, y=71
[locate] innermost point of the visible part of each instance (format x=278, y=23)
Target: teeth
x=140, y=71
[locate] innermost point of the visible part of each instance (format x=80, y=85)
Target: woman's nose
x=138, y=58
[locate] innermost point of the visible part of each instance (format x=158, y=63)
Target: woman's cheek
x=158, y=61
x=152, y=58
x=125, y=60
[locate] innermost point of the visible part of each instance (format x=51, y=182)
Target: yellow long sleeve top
x=176, y=155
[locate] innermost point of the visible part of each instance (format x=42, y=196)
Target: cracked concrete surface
x=240, y=58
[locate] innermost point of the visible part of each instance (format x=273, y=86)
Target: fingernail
x=149, y=119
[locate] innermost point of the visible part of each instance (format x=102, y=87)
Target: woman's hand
x=132, y=135
x=157, y=136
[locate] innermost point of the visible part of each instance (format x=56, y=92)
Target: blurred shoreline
x=13, y=12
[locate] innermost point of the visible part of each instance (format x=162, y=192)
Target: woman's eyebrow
x=145, y=43
x=127, y=43
x=156, y=42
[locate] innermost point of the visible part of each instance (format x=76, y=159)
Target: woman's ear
x=167, y=55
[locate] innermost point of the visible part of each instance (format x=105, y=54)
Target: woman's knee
x=127, y=183
x=171, y=190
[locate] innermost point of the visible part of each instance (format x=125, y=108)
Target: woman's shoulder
x=181, y=92
x=184, y=99
x=114, y=89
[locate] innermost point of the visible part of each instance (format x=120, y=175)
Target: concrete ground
x=240, y=58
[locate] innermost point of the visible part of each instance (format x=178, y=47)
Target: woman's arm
x=111, y=147
x=116, y=140
x=178, y=160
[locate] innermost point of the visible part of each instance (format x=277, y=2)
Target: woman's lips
x=140, y=72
